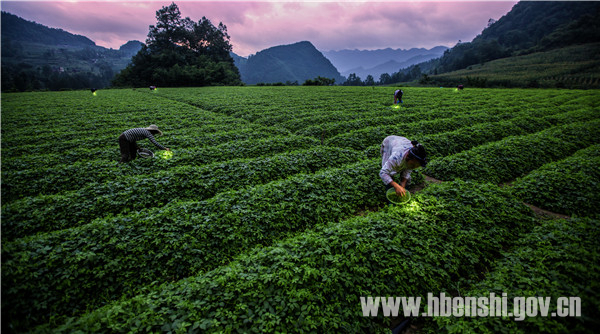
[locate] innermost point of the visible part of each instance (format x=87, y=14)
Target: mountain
x=391, y=66
x=239, y=61
x=131, y=48
x=529, y=22
x=536, y=44
x=38, y=57
x=296, y=62
x=15, y=28
x=530, y=26
x=375, y=62
x=574, y=67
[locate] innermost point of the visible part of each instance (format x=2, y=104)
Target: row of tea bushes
x=68, y=271
x=33, y=118
x=331, y=129
x=134, y=193
x=559, y=258
x=313, y=282
x=188, y=156
x=569, y=186
x=448, y=143
x=362, y=138
x=184, y=138
x=27, y=175
x=513, y=157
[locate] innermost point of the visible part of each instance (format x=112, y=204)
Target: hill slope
x=286, y=63
x=38, y=57
x=571, y=67
x=16, y=29
x=529, y=22
x=529, y=27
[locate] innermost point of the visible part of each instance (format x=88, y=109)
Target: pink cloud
x=254, y=26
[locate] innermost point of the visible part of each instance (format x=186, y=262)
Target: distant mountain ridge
x=291, y=63
x=377, y=62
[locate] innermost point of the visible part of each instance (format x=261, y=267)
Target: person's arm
x=151, y=138
x=385, y=174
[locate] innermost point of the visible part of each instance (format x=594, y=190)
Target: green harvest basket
x=392, y=197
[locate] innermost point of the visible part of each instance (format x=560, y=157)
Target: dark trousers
x=128, y=149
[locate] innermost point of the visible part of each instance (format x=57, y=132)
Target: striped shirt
x=136, y=134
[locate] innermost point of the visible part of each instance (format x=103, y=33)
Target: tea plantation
x=270, y=217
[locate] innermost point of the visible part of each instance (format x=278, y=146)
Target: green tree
x=385, y=79
x=181, y=52
x=415, y=72
x=353, y=80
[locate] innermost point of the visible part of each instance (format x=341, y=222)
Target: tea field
x=270, y=217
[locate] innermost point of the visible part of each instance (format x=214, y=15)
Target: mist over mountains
x=377, y=62
x=301, y=61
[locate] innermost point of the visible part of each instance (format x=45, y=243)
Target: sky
x=257, y=25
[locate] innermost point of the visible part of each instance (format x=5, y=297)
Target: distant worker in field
x=400, y=156
x=398, y=96
x=128, y=139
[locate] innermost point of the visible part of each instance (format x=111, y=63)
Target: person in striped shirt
x=128, y=139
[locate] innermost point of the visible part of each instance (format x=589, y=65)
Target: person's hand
x=400, y=191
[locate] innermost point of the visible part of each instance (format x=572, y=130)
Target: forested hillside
x=529, y=27
x=15, y=28
x=38, y=57
x=574, y=66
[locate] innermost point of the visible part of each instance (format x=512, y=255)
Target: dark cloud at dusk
x=257, y=25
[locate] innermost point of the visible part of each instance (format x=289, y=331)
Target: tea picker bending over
x=400, y=156
x=398, y=96
x=128, y=139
